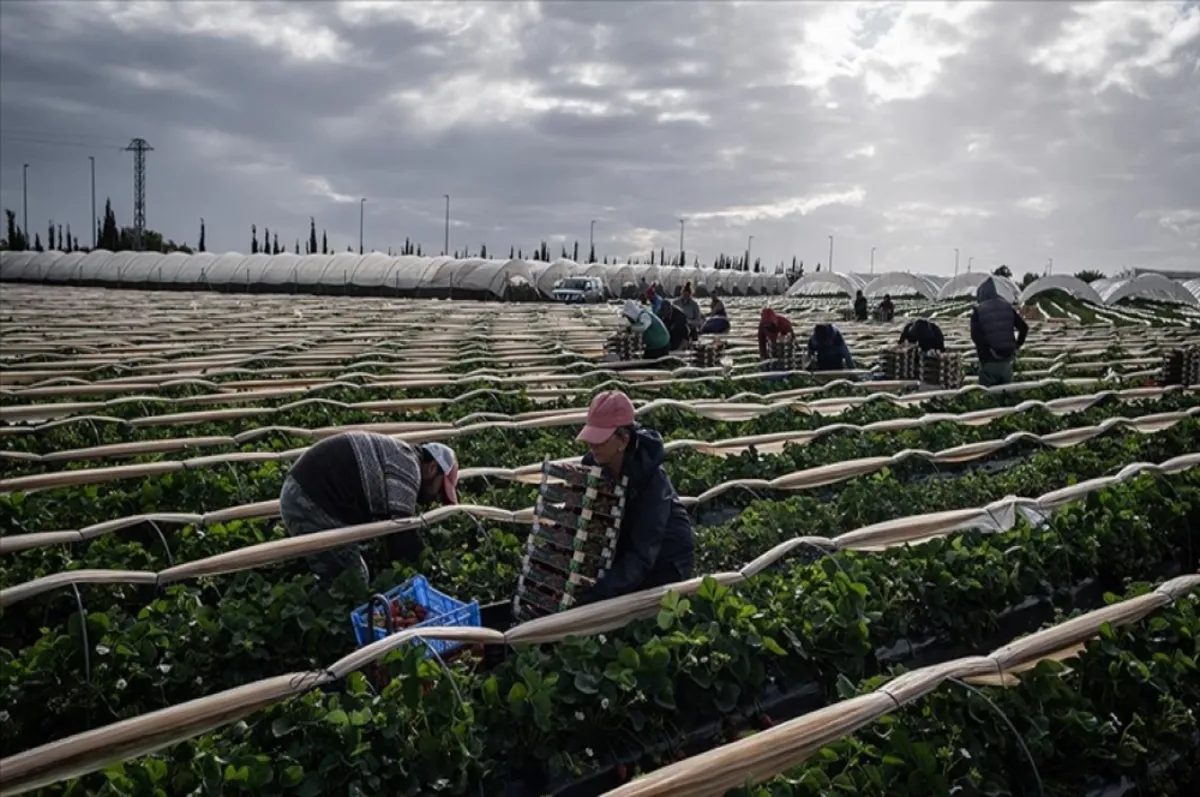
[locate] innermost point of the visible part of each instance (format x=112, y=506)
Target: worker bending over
x=993, y=322
x=656, y=545
x=771, y=327
x=828, y=350
x=925, y=334
x=656, y=341
x=352, y=478
x=717, y=322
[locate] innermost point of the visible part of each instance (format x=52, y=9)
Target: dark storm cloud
x=1014, y=131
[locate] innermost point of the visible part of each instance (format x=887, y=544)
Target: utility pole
x=831, y=253
x=446, y=245
x=1050, y=267
x=956, y=261
x=969, y=259
x=139, y=148
x=591, y=240
x=749, y=244
x=92, y=158
x=362, y=203
x=872, y=260
x=681, y=257
x=25, y=201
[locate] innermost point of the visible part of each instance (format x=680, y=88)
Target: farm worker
x=690, y=309
x=925, y=334
x=352, y=478
x=677, y=325
x=771, y=327
x=717, y=322
x=887, y=310
x=655, y=338
x=656, y=545
x=828, y=349
x=993, y=322
x=860, y=306
x=654, y=300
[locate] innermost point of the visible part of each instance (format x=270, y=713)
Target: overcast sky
x=1014, y=131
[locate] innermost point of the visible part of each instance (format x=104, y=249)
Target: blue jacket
x=656, y=545
x=829, y=348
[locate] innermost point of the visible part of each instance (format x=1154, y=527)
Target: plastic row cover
x=404, y=274
x=1101, y=292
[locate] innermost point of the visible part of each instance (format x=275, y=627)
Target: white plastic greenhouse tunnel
x=369, y=274
x=965, y=285
x=820, y=283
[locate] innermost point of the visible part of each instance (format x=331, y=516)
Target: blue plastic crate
x=440, y=610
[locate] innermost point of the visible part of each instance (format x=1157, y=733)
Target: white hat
x=632, y=310
x=447, y=462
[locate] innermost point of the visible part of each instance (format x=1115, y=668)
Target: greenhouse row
x=1102, y=292
x=372, y=273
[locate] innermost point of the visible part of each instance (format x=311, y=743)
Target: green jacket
x=653, y=330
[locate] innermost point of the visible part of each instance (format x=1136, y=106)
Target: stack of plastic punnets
x=576, y=523
x=783, y=354
x=624, y=346
x=1180, y=367
x=942, y=368
x=902, y=363
x=708, y=353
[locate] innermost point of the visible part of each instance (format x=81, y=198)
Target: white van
x=586, y=290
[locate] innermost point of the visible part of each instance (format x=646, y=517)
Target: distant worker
x=656, y=544
x=717, y=322
x=828, y=349
x=352, y=478
x=887, y=309
x=860, y=306
x=654, y=300
x=771, y=327
x=925, y=334
x=993, y=322
x=690, y=309
x=656, y=341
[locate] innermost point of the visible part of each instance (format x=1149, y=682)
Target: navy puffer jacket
x=993, y=322
x=656, y=545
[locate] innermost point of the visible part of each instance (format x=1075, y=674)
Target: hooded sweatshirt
x=926, y=334
x=829, y=349
x=647, y=324
x=656, y=545
x=771, y=326
x=993, y=322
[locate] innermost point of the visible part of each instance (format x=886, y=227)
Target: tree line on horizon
x=115, y=238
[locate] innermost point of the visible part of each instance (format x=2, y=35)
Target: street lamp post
x=25, y=200
x=681, y=258
x=592, y=241
x=362, y=203
x=956, y=261
x=92, y=158
x=1050, y=267
x=872, y=260
x=749, y=244
x=831, y=253
x=446, y=243
x=969, y=259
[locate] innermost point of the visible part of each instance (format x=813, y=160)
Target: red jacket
x=771, y=326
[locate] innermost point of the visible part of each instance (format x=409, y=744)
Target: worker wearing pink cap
x=352, y=478
x=656, y=545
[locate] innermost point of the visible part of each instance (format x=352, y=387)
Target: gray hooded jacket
x=993, y=322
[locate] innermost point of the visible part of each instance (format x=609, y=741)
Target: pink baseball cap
x=610, y=411
x=444, y=456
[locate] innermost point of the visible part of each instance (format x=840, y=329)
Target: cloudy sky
x=1014, y=131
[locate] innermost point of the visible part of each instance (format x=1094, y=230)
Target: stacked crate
x=902, y=364
x=708, y=353
x=573, y=540
x=783, y=354
x=625, y=346
x=1180, y=367
x=942, y=368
